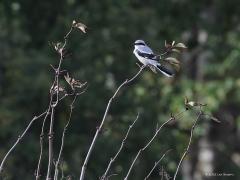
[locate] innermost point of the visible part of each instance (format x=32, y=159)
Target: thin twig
x=156, y=163
x=62, y=174
x=103, y=120
x=19, y=139
x=119, y=150
x=38, y=174
x=60, y=62
x=63, y=137
x=189, y=143
x=41, y=143
x=54, y=104
x=50, y=142
x=162, y=173
x=50, y=135
x=107, y=178
x=149, y=142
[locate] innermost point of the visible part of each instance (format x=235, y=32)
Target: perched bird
x=146, y=56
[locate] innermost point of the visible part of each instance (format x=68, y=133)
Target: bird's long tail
x=164, y=70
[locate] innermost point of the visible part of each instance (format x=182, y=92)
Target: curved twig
x=103, y=120
x=156, y=163
x=38, y=174
x=119, y=150
x=189, y=143
x=63, y=138
x=149, y=142
x=41, y=143
x=19, y=139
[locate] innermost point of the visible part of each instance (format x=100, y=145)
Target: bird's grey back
x=145, y=49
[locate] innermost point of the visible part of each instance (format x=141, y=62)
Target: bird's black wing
x=146, y=55
x=165, y=70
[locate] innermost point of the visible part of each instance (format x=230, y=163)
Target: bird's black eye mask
x=139, y=44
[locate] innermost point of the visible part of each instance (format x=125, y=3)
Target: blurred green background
x=103, y=57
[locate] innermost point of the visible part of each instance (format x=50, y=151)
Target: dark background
x=103, y=57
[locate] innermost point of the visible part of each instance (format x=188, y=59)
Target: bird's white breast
x=141, y=59
x=144, y=60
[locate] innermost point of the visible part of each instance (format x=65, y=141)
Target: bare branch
x=19, y=139
x=189, y=143
x=60, y=50
x=60, y=63
x=62, y=174
x=38, y=174
x=63, y=138
x=54, y=100
x=156, y=163
x=119, y=150
x=41, y=143
x=107, y=178
x=149, y=142
x=164, y=174
x=50, y=145
x=103, y=120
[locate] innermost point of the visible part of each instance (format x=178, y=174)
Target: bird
x=146, y=56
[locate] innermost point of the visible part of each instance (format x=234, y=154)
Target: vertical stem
x=63, y=138
x=38, y=174
x=188, y=146
x=50, y=148
x=54, y=104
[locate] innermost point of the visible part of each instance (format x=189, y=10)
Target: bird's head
x=139, y=43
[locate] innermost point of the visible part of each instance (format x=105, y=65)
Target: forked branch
x=119, y=150
x=150, y=141
x=63, y=138
x=127, y=81
x=156, y=164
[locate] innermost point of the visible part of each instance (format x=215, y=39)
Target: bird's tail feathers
x=164, y=70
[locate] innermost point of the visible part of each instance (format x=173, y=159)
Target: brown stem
x=119, y=150
x=41, y=144
x=189, y=143
x=38, y=174
x=103, y=120
x=149, y=142
x=63, y=138
x=156, y=163
x=54, y=104
x=50, y=148
x=19, y=139
x=60, y=63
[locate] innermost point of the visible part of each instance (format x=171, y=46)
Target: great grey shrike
x=146, y=56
